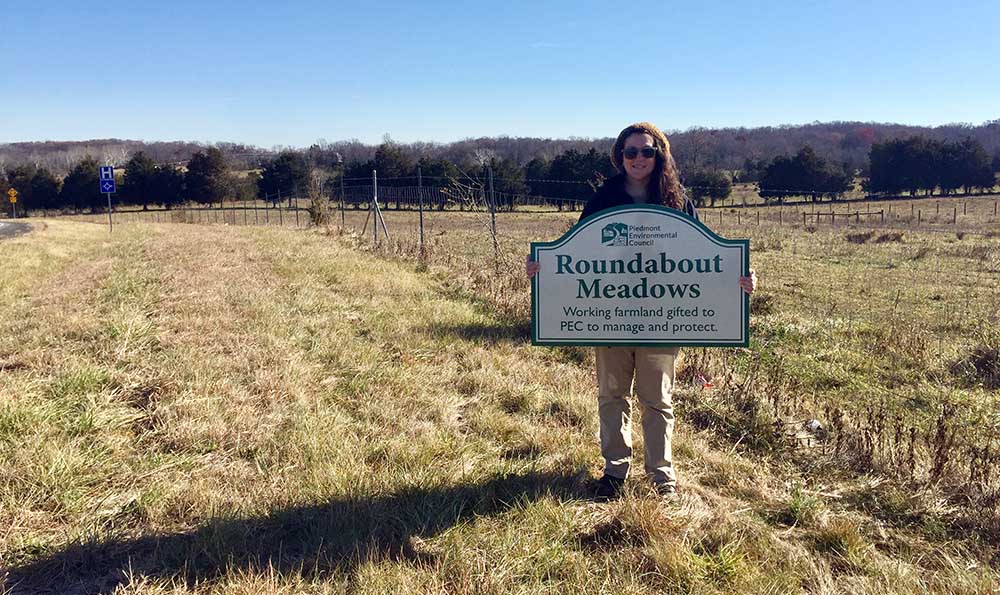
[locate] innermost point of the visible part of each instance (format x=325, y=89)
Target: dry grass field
x=220, y=409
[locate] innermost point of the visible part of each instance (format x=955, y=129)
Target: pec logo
x=615, y=234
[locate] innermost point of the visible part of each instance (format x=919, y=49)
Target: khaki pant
x=653, y=370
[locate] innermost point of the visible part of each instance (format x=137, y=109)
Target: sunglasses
x=632, y=152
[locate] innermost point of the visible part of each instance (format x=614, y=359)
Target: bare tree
x=319, y=202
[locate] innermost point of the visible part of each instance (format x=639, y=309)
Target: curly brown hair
x=665, y=182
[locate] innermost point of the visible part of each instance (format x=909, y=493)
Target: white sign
x=640, y=275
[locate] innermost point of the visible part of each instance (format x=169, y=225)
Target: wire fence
x=927, y=299
x=926, y=296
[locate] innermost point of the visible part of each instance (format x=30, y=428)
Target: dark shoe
x=608, y=488
x=667, y=491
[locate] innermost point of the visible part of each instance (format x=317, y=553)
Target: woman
x=647, y=174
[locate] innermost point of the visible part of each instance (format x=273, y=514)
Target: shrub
x=982, y=364
x=860, y=238
x=842, y=539
x=891, y=236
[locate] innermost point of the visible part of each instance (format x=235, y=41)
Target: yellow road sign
x=12, y=194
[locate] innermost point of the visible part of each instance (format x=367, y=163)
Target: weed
x=802, y=510
x=860, y=237
x=762, y=303
x=841, y=538
x=889, y=236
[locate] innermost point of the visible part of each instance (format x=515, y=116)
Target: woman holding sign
x=647, y=175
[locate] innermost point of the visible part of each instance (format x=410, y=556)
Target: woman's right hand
x=531, y=266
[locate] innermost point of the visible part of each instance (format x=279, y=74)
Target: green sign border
x=711, y=235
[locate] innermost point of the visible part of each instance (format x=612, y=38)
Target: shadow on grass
x=490, y=334
x=318, y=540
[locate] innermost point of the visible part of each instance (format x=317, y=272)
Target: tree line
x=918, y=164
x=846, y=144
x=915, y=164
x=207, y=178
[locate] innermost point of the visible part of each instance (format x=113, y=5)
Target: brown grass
x=210, y=409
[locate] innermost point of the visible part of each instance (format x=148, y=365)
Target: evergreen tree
x=977, y=171
x=535, y=170
x=394, y=165
x=508, y=181
x=806, y=174
x=140, y=174
x=207, y=179
x=19, y=179
x=437, y=172
x=284, y=176
x=81, y=187
x=708, y=184
x=44, y=190
x=167, y=187
x=247, y=187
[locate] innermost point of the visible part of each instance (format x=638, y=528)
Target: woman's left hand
x=749, y=283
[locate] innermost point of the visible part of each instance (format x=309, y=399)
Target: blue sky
x=290, y=74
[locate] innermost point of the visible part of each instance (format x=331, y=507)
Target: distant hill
x=725, y=148
x=60, y=156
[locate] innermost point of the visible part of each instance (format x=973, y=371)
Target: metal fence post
x=420, y=198
x=296, y=206
x=493, y=222
x=343, y=197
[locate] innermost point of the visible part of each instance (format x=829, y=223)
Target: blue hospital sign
x=640, y=275
x=107, y=181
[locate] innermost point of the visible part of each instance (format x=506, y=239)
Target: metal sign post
x=13, y=200
x=107, y=184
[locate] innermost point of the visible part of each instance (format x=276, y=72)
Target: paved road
x=9, y=230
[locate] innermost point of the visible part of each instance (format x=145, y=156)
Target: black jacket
x=612, y=194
